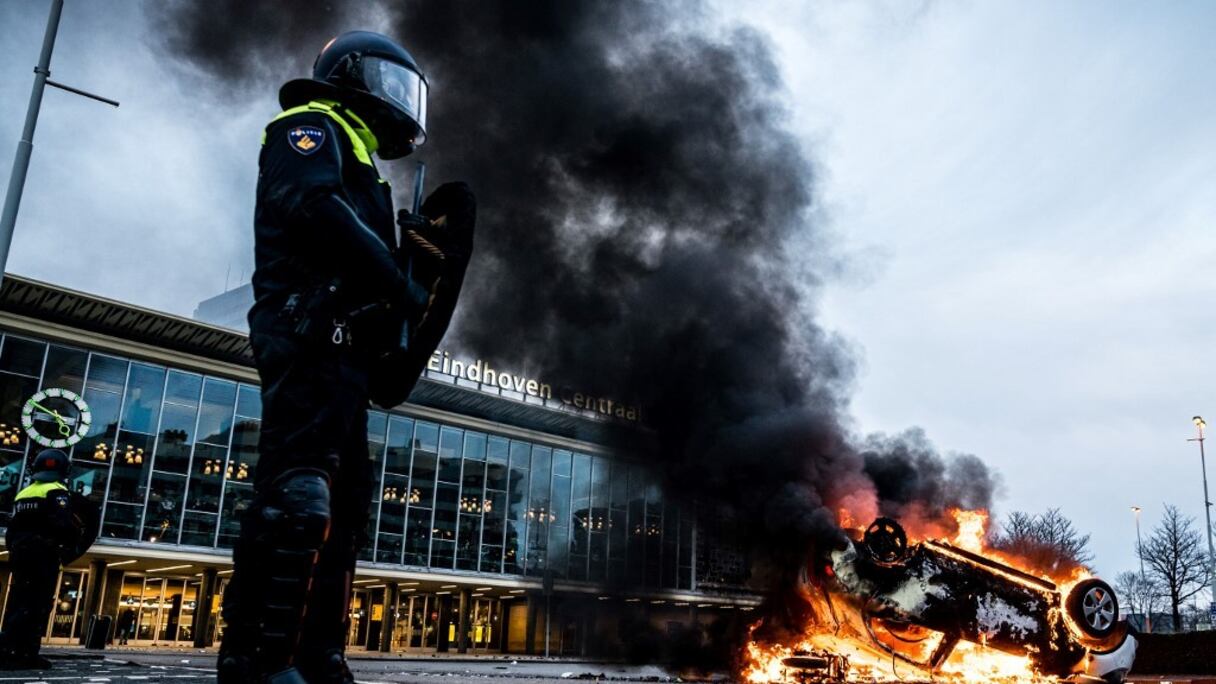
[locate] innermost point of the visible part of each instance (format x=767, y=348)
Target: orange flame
x=969, y=663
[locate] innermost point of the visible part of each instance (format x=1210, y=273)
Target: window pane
x=392, y=505
x=474, y=446
x=618, y=524
x=365, y=553
x=496, y=450
x=559, y=517
x=446, y=505
x=144, y=391
x=132, y=462
x=496, y=467
x=418, y=537
x=183, y=388
x=635, y=563
x=426, y=458
x=22, y=356
x=244, y=454
x=389, y=548
x=377, y=422
x=89, y=479
x=442, y=554
x=671, y=537
x=654, y=532
x=249, y=402
x=494, y=518
x=598, y=519
x=99, y=443
x=198, y=529
x=176, y=437
x=163, y=513
x=237, y=498
x=517, y=508
x=449, y=454
x=122, y=521
x=65, y=368
x=206, y=477
x=473, y=483
x=15, y=390
x=580, y=518
x=215, y=420
x=400, y=432
x=469, y=536
x=106, y=373
x=491, y=559
x=540, y=510
x=10, y=480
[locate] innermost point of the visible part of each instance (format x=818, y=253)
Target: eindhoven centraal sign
x=481, y=372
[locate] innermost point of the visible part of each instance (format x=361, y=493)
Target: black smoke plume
x=648, y=232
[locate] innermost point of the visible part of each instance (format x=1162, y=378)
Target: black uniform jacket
x=42, y=521
x=322, y=213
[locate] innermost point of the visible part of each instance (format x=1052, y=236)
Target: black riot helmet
x=378, y=80
x=50, y=466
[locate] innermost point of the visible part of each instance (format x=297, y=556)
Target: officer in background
x=46, y=531
x=350, y=301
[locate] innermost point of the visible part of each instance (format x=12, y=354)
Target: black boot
x=325, y=667
x=233, y=666
x=18, y=661
x=289, y=676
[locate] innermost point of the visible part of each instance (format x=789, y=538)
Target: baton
x=419, y=179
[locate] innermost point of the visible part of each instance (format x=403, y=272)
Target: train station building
x=508, y=515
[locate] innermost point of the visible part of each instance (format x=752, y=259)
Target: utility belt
x=321, y=315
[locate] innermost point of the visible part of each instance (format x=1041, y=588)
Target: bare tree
x=1048, y=542
x=1138, y=594
x=1175, y=558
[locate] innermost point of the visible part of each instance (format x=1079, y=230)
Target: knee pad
x=297, y=512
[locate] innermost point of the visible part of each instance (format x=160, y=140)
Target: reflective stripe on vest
x=39, y=490
x=360, y=149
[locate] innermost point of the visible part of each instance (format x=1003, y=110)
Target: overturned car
x=918, y=602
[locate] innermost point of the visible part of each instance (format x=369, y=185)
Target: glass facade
x=172, y=453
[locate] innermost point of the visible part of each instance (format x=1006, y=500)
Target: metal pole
x=21, y=162
x=1148, y=612
x=1207, y=512
x=548, y=614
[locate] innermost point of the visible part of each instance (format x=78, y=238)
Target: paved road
x=67, y=671
x=199, y=667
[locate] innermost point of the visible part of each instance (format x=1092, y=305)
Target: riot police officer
x=44, y=532
x=350, y=301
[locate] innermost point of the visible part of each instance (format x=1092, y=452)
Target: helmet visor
x=399, y=86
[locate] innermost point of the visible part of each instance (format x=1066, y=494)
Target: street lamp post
x=1207, y=512
x=25, y=146
x=1148, y=613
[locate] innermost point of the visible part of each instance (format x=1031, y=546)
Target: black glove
x=440, y=240
x=438, y=244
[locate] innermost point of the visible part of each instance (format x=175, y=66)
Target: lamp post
x=25, y=146
x=1207, y=512
x=1148, y=613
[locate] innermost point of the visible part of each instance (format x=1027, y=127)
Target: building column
x=530, y=638
x=92, y=597
x=201, y=625
x=462, y=634
x=442, y=643
x=389, y=623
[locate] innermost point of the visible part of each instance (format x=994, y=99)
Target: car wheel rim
x=1099, y=609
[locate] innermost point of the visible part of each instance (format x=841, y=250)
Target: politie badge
x=306, y=139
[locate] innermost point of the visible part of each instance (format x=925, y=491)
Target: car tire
x=1093, y=608
x=886, y=542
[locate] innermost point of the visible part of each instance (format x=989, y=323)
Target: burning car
x=919, y=602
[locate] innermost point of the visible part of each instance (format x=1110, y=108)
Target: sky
x=1022, y=197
